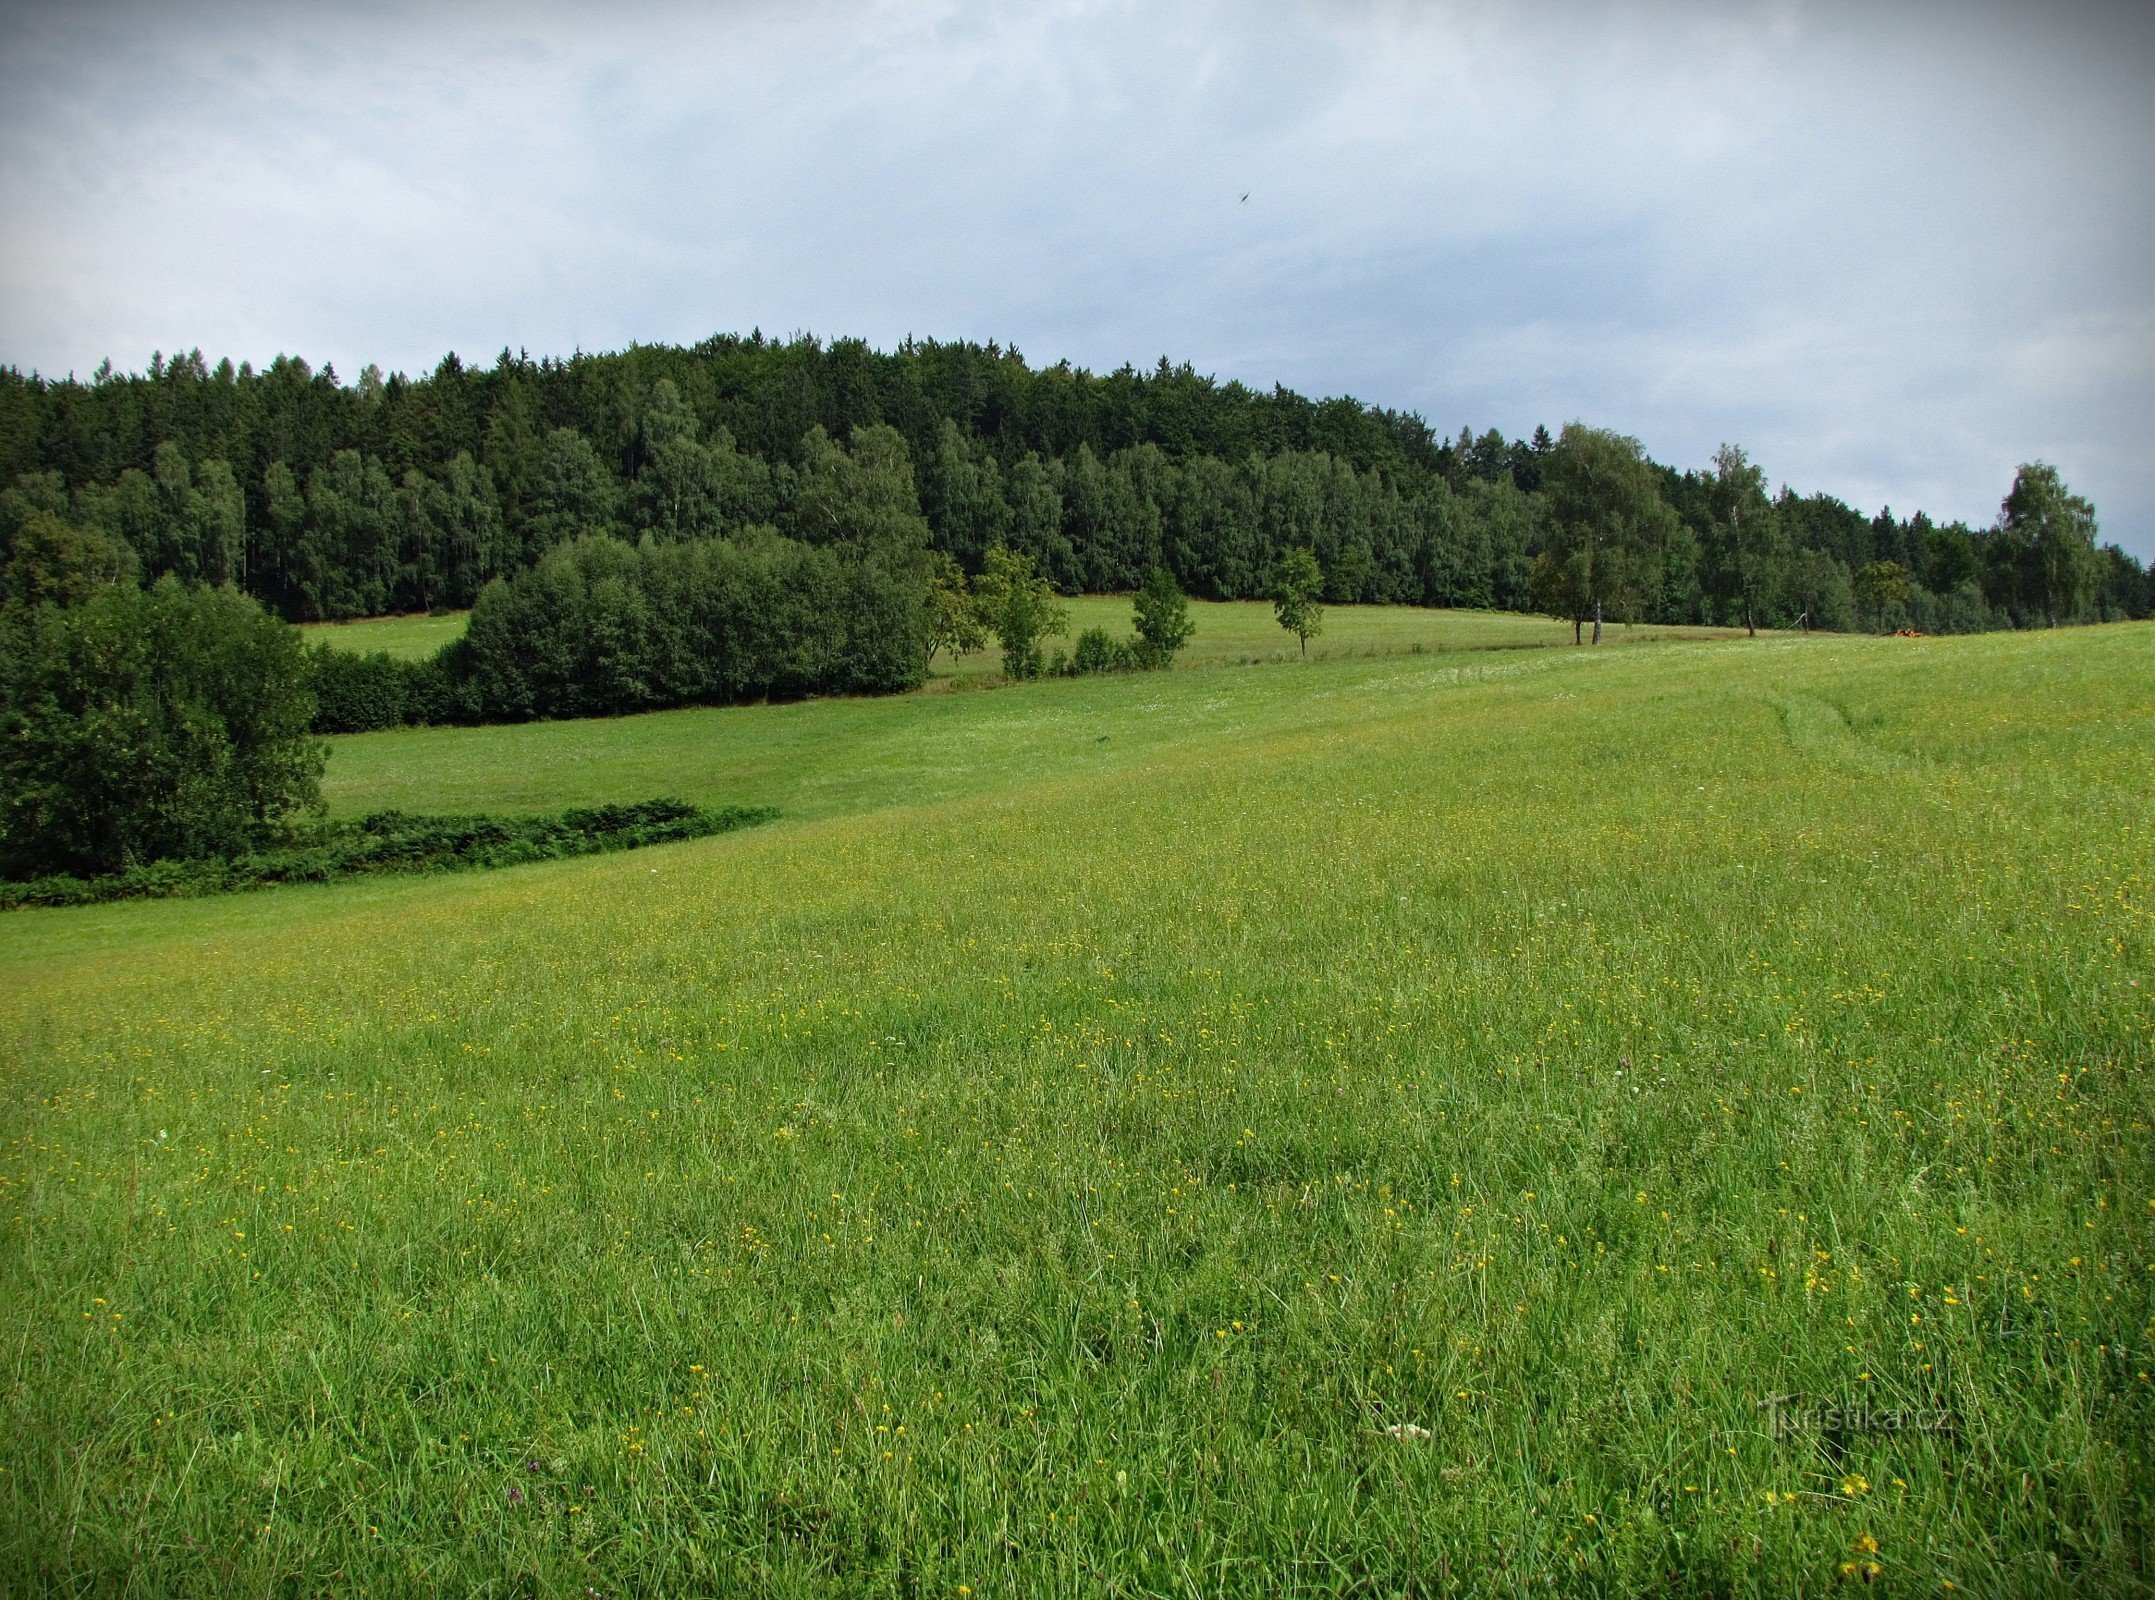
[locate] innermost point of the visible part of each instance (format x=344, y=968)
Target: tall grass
x=1378, y=1127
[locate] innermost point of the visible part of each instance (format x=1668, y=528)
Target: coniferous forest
x=328, y=499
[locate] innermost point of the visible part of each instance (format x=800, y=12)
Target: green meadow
x=1241, y=631
x=1667, y=1119
x=411, y=638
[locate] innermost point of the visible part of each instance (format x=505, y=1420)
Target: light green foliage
x=1162, y=617
x=1882, y=589
x=678, y=494
x=1296, y=586
x=997, y=1173
x=2057, y=530
x=861, y=493
x=1751, y=546
x=1608, y=528
x=577, y=493
x=955, y=626
x=1019, y=608
x=52, y=562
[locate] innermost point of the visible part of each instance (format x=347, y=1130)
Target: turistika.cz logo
x=1790, y=1414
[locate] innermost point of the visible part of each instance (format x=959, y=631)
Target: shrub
x=141, y=724
x=1100, y=651
x=358, y=693
x=1020, y=608
x=1163, y=621
x=362, y=693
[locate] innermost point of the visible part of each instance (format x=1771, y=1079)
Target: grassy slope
x=1559, y=1052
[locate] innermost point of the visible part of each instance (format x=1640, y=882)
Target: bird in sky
x=1245, y=198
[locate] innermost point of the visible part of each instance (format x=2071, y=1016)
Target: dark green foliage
x=1746, y=554
x=148, y=723
x=1818, y=593
x=2051, y=531
x=600, y=627
x=1882, y=590
x=362, y=693
x=393, y=841
x=1610, y=530
x=334, y=500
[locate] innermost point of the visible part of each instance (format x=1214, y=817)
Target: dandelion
x=1855, y=1485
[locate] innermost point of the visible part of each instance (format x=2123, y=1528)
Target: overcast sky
x=1893, y=250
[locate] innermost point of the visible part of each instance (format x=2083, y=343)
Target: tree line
x=331, y=500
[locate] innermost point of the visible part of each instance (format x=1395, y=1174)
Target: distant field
x=1387, y=1125
x=1247, y=631
x=407, y=638
x=1236, y=630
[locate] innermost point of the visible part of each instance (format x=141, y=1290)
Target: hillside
x=335, y=499
x=1309, y=1126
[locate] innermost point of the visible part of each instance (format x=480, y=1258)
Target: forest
x=326, y=499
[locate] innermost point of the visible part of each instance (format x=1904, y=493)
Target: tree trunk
x=1597, y=622
x=1575, y=625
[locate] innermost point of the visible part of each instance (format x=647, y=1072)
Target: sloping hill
x=1323, y=1126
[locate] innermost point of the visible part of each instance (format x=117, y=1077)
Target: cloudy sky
x=1894, y=250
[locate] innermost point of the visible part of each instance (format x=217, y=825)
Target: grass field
x=1385, y=1125
x=410, y=638
x=1241, y=631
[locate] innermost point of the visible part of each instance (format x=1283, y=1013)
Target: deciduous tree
x=1608, y=521
x=2057, y=529
x=1162, y=620
x=1020, y=608
x=1296, y=585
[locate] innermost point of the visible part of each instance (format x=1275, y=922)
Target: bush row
x=363, y=693
x=394, y=841
x=599, y=627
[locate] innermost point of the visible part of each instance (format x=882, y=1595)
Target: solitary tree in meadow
x=1019, y=608
x=1296, y=584
x=1163, y=619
